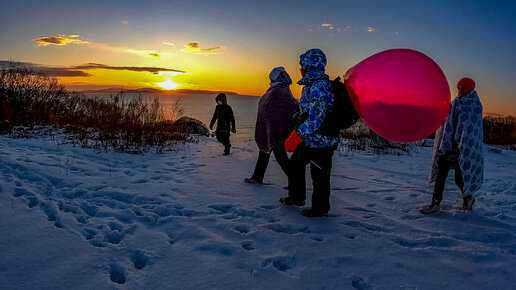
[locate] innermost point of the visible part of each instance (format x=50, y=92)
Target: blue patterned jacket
x=316, y=99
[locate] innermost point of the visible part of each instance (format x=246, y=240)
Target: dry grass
x=119, y=122
x=500, y=131
x=360, y=137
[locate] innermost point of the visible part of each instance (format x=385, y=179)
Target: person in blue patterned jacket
x=315, y=148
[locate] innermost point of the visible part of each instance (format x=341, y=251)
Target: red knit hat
x=467, y=83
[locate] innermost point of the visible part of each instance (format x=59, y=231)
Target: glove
x=292, y=141
x=234, y=130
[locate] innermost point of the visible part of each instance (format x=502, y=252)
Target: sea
x=202, y=107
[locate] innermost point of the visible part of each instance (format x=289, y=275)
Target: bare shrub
x=118, y=122
x=360, y=137
x=500, y=130
x=29, y=97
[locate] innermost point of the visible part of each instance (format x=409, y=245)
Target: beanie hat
x=466, y=83
x=275, y=73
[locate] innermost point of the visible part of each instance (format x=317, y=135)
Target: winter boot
x=310, y=212
x=468, y=203
x=251, y=180
x=431, y=208
x=288, y=201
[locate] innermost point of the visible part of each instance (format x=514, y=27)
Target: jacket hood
x=221, y=97
x=313, y=63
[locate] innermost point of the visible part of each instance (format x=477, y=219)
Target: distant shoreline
x=115, y=90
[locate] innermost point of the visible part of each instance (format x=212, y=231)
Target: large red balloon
x=401, y=94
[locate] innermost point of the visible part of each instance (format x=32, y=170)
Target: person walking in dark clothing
x=309, y=145
x=274, y=123
x=225, y=122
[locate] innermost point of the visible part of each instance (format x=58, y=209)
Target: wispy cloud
x=125, y=22
x=193, y=47
x=154, y=70
x=328, y=25
x=51, y=71
x=169, y=43
x=60, y=40
x=347, y=28
x=78, y=71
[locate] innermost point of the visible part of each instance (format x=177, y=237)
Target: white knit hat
x=275, y=73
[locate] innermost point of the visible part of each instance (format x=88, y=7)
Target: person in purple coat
x=274, y=123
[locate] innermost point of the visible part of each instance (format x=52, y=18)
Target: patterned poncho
x=464, y=126
x=275, y=116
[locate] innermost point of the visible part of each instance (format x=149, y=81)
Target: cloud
x=125, y=22
x=328, y=25
x=63, y=72
x=78, y=71
x=193, y=47
x=371, y=29
x=60, y=40
x=51, y=71
x=154, y=70
x=169, y=43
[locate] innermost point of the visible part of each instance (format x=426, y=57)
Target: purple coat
x=274, y=122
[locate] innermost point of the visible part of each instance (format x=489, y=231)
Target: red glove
x=292, y=141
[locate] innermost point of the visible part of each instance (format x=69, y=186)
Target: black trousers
x=263, y=161
x=223, y=137
x=320, y=160
x=445, y=163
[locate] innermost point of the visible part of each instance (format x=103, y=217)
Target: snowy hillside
x=73, y=218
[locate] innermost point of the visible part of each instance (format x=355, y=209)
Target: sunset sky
x=232, y=45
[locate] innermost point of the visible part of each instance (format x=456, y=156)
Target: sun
x=168, y=85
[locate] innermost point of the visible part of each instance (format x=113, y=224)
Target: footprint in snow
x=281, y=263
x=288, y=229
x=317, y=238
x=139, y=259
x=117, y=274
x=247, y=245
x=243, y=229
x=359, y=283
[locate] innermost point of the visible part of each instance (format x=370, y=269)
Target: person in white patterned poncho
x=458, y=144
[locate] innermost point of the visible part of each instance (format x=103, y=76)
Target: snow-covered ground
x=73, y=218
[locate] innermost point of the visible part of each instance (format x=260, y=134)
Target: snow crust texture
x=73, y=217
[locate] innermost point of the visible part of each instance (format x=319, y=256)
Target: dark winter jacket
x=274, y=122
x=223, y=115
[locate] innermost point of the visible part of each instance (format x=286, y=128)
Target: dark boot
x=310, y=212
x=288, y=201
x=251, y=180
x=432, y=207
x=468, y=203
